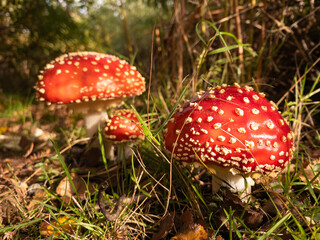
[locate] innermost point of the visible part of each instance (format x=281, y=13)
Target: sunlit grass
x=14, y=106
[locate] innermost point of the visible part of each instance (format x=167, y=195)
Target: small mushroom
x=232, y=130
x=122, y=129
x=89, y=83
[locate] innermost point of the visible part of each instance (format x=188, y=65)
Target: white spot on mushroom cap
x=221, y=138
x=255, y=97
x=41, y=90
x=229, y=98
x=254, y=126
x=188, y=120
x=239, y=111
x=209, y=119
x=281, y=122
x=270, y=125
x=255, y=111
x=241, y=130
x=246, y=100
x=249, y=144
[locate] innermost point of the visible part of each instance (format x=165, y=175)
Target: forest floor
x=50, y=180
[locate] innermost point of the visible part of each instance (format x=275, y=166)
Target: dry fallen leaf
x=10, y=142
x=196, y=231
x=3, y=129
x=274, y=206
x=251, y=217
x=309, y=173
x=188, y=229
x=66, y=191
x=64, y=224
x=165, y=227
x=40, y=195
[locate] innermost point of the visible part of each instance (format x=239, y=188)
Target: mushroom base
x=236, y=180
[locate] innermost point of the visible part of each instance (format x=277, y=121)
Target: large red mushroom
x=90, y=83
x=122, y=129
x=232, y=130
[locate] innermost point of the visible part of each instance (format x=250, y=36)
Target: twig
x=261, y=47
x=239, y=36
x=110, y=217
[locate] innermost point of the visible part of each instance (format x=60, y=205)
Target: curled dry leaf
x=65, y=189
x=189, y=229
x=64, y=224
x=165, y=227
x=196, y=231
x=274, y=206
x=251, y=217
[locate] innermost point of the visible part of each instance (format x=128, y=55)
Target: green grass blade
x=145, y=128
x=172, y=111
x=240, y=43
x=223, y=49
x=12, y=228
x=65, y=168
x=276, y=226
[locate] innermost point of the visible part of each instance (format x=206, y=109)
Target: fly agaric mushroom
x=89, y=83
x=234, y=131
x=121, y=129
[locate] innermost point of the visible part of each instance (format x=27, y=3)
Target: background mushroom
x=234, y=131
x=121, y=129
x=89, y=83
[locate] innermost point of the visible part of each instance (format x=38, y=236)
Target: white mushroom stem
x=92, y=120
x=124, y=151
x=109, y=149
x=236, y=180
x=94, y=113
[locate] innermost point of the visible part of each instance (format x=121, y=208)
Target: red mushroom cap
x=231, y=127
x=118, y=129
x=84, y=76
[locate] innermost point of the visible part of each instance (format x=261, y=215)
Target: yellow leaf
x=64, y=224
x=3, y=129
